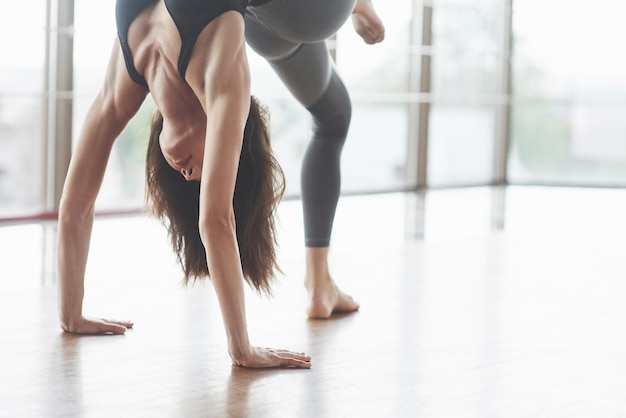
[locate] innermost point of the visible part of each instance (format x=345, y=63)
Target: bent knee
x=332, y=113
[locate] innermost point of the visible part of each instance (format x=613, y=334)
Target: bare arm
x=115, y=105
x=223, y=85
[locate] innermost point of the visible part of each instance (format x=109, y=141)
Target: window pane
x=124, y=182
x=377, y=78
x=21, y=99
x=290, y=124
x=568, y=122
x=460, y=150
x=375, y=152
x=465, y=49
x=464, y=88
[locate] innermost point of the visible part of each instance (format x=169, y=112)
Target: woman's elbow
x=216, y=226
x=74, y=209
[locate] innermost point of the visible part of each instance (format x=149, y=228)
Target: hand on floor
x=269, y=358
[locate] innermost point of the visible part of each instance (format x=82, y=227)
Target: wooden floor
x=475, y=302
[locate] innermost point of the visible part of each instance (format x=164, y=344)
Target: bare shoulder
x=220, y=52
x=119, y=90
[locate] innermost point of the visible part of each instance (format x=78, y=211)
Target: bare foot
x=325, y=298
x=367, y=23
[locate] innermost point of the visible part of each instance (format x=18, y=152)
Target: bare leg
x=367, y=23
x=325, y=297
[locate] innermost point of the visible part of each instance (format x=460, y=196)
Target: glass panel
x=375, y=152
x=568, y=122
x=21, y=99
x=124, y=182
x=377, y=78
x=464, y=85
x=460, y=150
x=290, y=123
x=464, y=49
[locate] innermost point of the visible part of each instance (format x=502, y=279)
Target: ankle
x=317, y=270
x=313, y=280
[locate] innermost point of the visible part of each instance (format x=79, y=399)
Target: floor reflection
x=474, y=302
x=29, y=250
x=64, y=373
x=49, y=236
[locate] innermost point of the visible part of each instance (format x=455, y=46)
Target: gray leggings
x=290, y=35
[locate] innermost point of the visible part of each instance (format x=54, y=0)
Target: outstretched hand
x=97, y=326
x=271, y=358
x=367, y=23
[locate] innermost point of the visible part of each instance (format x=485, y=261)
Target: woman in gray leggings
x=290, y=35
x=211, y=174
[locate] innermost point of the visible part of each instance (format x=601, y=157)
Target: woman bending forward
x=209, y=160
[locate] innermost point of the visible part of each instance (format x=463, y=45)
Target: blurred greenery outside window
x=462, y=117
x=569, y=102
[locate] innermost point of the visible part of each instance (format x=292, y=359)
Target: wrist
x=69, y=316
x=69, y=324
x=239, y=353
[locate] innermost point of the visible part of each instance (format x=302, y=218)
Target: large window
x=568, y=122
x=22, y=100
x=465, y=91
x=455, y=86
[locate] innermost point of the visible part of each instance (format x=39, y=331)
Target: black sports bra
x=189, y=16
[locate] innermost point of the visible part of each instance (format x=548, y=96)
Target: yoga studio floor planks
x=475, y=302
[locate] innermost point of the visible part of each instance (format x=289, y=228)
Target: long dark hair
x=259, y=188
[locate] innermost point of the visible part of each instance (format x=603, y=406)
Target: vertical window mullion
x=420, y=86
x=47, y=107
x=60, y=101
x=503, y=116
